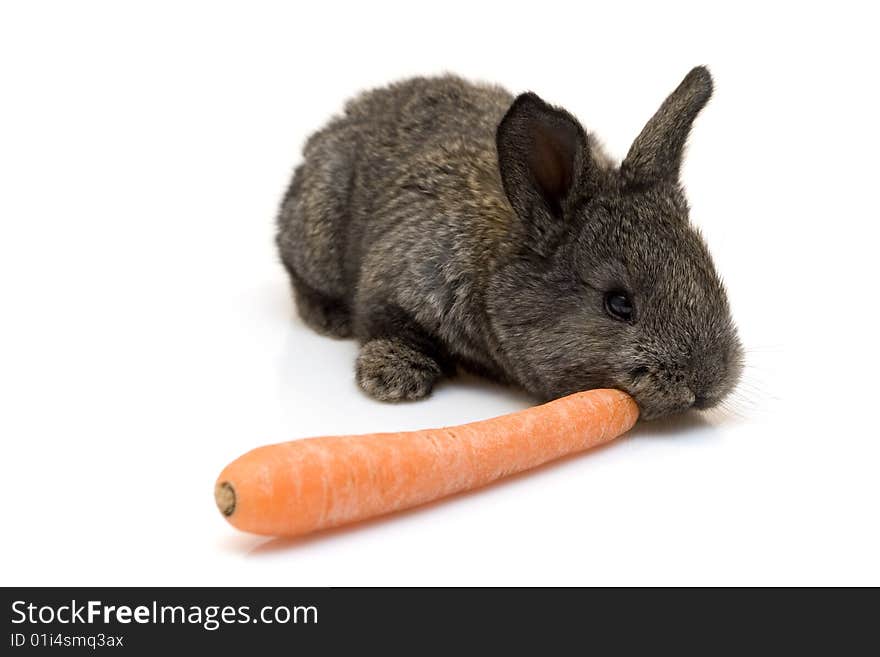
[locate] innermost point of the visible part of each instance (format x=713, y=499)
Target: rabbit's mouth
x=703, y=402
x=656, y=400
x=654, y=411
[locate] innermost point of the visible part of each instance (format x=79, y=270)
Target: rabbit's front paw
x=393, y=370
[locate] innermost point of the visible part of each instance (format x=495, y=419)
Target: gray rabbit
x=447, y=224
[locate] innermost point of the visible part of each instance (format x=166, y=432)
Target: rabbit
x=446, y=224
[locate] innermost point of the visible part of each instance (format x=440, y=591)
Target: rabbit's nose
x=689, y=396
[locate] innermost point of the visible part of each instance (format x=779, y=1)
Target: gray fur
x=446, y=224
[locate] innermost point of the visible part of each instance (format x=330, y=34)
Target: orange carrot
x=302, y=486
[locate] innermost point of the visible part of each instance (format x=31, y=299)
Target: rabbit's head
x=611, y=285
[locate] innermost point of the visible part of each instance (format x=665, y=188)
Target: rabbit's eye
x=619, y=306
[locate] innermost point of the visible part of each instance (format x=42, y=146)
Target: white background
x=148, y=337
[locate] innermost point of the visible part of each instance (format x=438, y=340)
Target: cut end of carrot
x=224, y=495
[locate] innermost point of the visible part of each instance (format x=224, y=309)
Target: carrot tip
x=224, y=495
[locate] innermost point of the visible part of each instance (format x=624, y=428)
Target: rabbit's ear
x=542, y=154
x=657, y=152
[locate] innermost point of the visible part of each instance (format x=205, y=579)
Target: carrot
x=302, y=486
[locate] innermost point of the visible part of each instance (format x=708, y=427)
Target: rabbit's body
x=398, y=212
x=400, y=228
